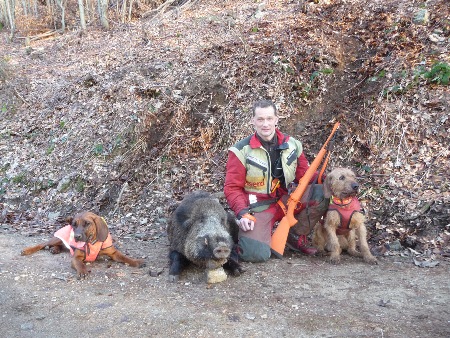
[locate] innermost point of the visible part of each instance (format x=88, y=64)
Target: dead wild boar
x=200, y=231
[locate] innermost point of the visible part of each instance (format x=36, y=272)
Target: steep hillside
x=124, y=122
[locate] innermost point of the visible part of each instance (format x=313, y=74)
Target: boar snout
x=222, y=251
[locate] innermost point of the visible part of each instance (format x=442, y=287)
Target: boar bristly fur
x=201, y=231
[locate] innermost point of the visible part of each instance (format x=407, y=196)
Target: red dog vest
x=345, y=209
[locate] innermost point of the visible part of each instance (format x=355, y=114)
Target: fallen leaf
x=426, y=264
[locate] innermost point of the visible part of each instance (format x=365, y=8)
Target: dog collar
x=342, y=202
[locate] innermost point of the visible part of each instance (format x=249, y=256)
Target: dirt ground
x=122, y=128
x=297, y=296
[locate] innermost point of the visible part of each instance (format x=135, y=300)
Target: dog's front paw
x=82, y=274
x=140, y=263
x=335, y=259
x=55, y=250
x=321, y=253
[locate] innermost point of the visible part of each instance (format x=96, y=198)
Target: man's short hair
x=264, y=104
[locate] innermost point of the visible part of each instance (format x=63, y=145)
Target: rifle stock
x=279, y=237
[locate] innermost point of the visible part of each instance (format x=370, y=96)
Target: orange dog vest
x=91, y=250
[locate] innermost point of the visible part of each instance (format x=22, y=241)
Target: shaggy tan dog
x=344, y=220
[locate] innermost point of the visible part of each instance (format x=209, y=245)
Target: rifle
x=279, y=237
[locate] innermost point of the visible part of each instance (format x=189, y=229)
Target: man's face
x=265, y=121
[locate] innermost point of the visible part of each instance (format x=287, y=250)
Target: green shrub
x=439, y=73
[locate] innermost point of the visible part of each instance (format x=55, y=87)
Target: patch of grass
x=283, y=63
x=98, y=149
x=326, y=71
x=42, y=185
x=3, y=185
x=364, y=167
x=50, y=149
x=20, y=178
x=439, y=73
x=118, y=141
x=395, y=89
x=79, y=184
x=4, y=169
x=381, y=74
x=305, y=91
x=65, y=186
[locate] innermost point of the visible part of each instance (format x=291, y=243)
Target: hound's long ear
x=69, y=220
x=102, y=228
x=327, y=186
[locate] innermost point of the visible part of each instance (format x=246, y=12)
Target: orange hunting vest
x=91, y=250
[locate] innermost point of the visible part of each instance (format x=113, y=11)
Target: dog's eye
x=342, y=178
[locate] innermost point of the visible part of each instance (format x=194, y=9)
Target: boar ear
x=231, y=220
x=187, y=223
x=327, y=186
x=233, y=226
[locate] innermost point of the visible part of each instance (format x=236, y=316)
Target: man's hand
x=247, y=222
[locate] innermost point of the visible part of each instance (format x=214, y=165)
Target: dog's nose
x=77, y=237
x=355, y=186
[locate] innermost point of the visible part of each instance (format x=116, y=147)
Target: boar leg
x=233, y=264
x=177, y=263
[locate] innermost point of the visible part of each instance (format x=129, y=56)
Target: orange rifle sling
x=250, y=217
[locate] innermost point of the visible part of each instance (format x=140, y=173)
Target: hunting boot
x=300, y=243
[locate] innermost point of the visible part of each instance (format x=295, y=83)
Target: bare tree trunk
x=90, y=5
x=82, y=18
x=3, y=17
x=25, y=7
x=10, y=6
x=35, y=8
x=129, y=10
x=62, y=5
x=103, y=12
x=50, y=8
x=123, y=10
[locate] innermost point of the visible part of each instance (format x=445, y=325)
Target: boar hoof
x=173, y=278
x=239, y=271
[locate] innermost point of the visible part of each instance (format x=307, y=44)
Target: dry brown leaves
x=126, y=127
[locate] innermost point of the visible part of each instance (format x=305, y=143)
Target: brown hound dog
x=86, y=237
x=344, y=220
